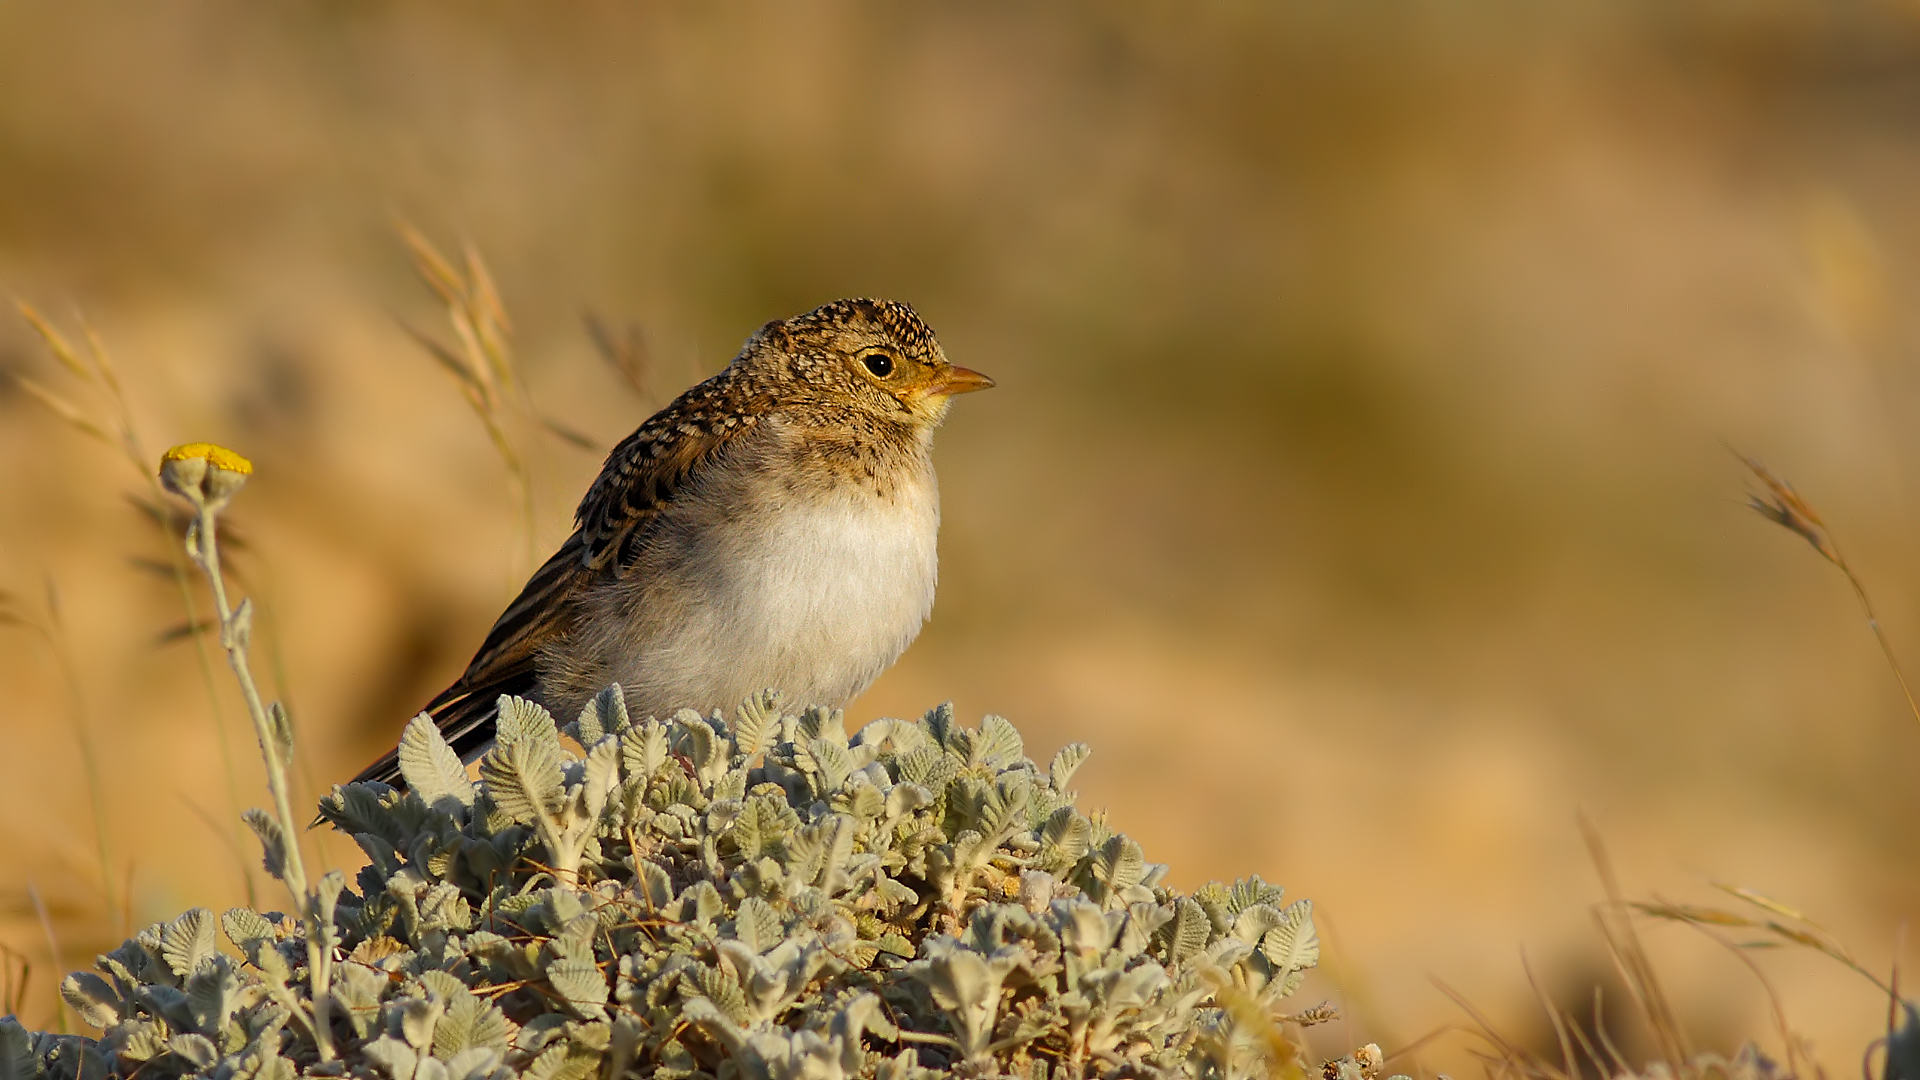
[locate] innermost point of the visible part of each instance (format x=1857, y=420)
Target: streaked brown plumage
x=772, y=527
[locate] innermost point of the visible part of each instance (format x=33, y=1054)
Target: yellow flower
x=204, y=474
x=218, y=456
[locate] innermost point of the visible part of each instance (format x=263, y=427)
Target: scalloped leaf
x=940, y=725
x=1067, y=762
x=213, y=992
x=189, y=941
x=523, y=777
x=1293, y=945
x=831, y=764
x=756, y=723
x=522, y=720
x=605, y=715
x=757, y=925
x=1186, y=934
x=599, y=775
x=581, y=984
x=273, y=841
x=820, y=722
x=653, y=885
x=89, y=996
x=280, y=726
x=644, y=749
x=997, y=744
x=17, y=1061
x=433, y=770
x=1116, y=867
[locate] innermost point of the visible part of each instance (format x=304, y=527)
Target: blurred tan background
x=1354, y=485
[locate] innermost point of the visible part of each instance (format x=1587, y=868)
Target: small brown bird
x=774, y=527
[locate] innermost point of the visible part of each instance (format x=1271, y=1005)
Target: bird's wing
x=641, y=477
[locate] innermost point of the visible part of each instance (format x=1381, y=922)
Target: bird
x=773, y=527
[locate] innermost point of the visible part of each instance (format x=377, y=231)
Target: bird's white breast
x=812, y=592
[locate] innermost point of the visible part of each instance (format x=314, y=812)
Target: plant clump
x=761, y=897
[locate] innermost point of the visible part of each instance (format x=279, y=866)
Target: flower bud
x=204, y=474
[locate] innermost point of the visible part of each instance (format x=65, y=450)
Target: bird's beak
x=959, y=380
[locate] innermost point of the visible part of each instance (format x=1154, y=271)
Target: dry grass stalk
x=50, y=631
x=482, y=362
x=16, y=972
x=1510, y=1059
x=1784, y=507
x=625, y=351
x=53, y=944
x=1790, y=927
x=1629, y=955
x=96, y=372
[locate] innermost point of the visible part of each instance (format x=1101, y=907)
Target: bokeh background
x=1355, y=485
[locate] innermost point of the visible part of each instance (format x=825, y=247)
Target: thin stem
x=1879, y=635
x=53, y=945
x=233, y=638
x=54, y=635
x=232, y=642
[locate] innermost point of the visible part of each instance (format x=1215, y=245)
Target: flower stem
x=235, y=633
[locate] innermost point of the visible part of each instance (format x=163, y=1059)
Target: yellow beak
x=959, y=380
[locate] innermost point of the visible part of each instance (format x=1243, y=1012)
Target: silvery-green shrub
x=761, y=897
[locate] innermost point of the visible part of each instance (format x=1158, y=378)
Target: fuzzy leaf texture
x=698, y=898
x=432, y=769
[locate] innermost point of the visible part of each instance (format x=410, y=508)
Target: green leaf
x=1252, y=924
x=395, y=1058
x=1249, y=891
x=522, y=720
x=523, y=776
x=732, y=786
x=581, y=983
x=1115, y=868
x=17, y=1061
x=195, y=1049
x=417, y=1019
x=273, y=841
x=605, y=715
x=820, y=722
x=653, y=884
x=763, y=822
x=1066, y=763
x=1186, y=934
x=831, y=764
x=701, y=903
x=1066, y=838
x=602, y=772
x=469, y=1023
x=432, y=769
x=90, y=996
x=709, y=753
x=281, y=726
x=997, y=744
x=756, y=723
x=326, y=895
x=188, y=941
x=940, y=724
x=247, y=929
x=757, y=924
x=213, y=992
x=643, y=749
x=1293, y=946
x=866, y=802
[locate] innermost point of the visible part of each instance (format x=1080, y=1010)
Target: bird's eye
x=879, y=363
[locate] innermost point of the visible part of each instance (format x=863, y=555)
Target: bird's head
x=872, y=355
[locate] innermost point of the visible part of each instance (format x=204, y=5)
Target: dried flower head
x=1784, y=507
x=204, y=474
